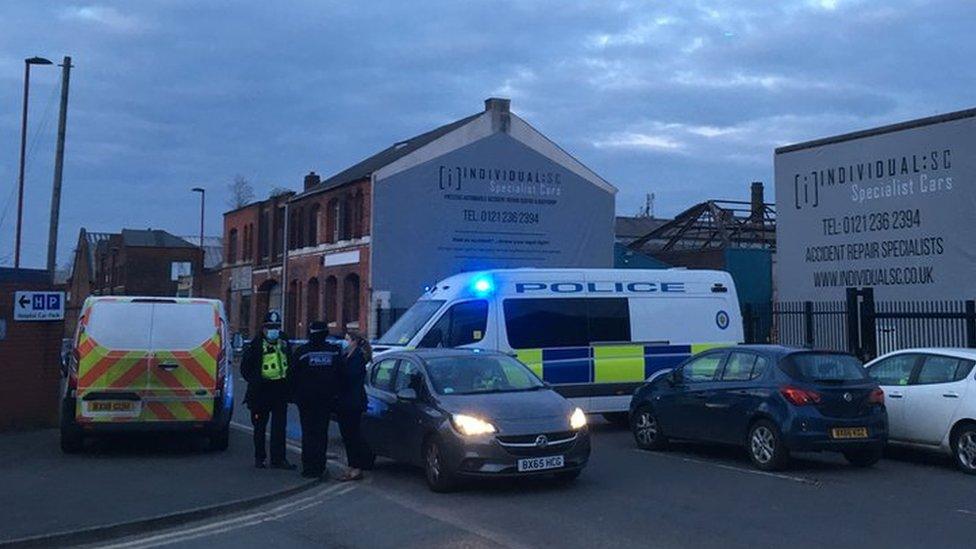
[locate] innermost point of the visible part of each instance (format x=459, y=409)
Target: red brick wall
x=30, y=355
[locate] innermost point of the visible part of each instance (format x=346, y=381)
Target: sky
x=686, y=100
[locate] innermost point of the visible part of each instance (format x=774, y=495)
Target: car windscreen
x=824, y=367
x=404, y=329
x=470, y=375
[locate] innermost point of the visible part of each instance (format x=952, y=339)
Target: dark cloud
x=683, y=99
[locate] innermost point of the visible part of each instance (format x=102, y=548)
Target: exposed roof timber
x=715, y=225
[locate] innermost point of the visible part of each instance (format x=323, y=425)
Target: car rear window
x=824, y=367
x=182, y=326
x=120, y=325
x=126, y=325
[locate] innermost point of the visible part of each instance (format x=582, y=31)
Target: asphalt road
x=690, y=496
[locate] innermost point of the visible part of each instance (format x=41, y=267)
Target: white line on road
x=966, y=512
x=781, y=476
x=238, y=522
x=247, y=428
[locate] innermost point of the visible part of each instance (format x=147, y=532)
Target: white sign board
x=38, y=306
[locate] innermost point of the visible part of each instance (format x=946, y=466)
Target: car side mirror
x=674, y=378
x=407, y=394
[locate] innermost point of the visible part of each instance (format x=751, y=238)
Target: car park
x=772, y=400
x=931, y=396
x=594, y=334
x=148, y=364
x=468, y=414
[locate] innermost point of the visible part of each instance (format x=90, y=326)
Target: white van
x=594, y=334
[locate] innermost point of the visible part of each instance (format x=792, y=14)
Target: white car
x=931, y=400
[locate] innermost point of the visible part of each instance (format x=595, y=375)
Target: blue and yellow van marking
x=625, y=363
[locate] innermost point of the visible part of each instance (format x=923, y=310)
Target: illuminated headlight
x=470, y=425
x=578, y=419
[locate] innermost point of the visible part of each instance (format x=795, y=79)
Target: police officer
x=315, y=379
x=265, y=367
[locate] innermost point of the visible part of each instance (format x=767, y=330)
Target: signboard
x=893, y=211
x=38, y=306
x=495, y=203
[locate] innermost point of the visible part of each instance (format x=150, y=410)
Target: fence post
x=869, y=329
x=747, y=321
x=808, y=324
x=970, y=323
x=853, y=323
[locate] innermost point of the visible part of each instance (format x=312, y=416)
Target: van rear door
x=183, y=370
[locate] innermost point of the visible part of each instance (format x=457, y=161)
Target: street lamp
x=23, y=150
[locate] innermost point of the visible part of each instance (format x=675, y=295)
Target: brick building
x=486, y=191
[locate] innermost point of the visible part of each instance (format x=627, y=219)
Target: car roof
x=960, y=352
x=783, y=350
x=425, y=354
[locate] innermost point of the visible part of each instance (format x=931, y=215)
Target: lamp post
x=23, y=151
x=203, y=196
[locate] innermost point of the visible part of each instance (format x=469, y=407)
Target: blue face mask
x=273, y=334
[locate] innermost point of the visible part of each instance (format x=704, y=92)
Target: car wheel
x=766, y=449
x=863, y=458
x=964, y=448
x=439, y=477
x=619, y=419
x=220, y=440
x=568, y=476
x=647, y=430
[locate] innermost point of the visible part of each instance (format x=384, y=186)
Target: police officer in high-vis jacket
x=266, y=368
x=315, y=381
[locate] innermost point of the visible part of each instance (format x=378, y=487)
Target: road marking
x=237, y=522
x=247, y=428
x=966, y=512
x=780, y=476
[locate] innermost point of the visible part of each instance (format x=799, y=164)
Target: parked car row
x=774, y=400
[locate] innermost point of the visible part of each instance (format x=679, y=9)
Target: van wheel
x=964, y=448
x=220, y=440
x=863, y=458
x=72, y=439
x=439, y=477
x=766, y=448
x=647, y=430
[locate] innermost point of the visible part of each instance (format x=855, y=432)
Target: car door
x=737, y=396
x=893, y=374
x=684, y=414
x=380, y=401
x=407, y=419
x=935, y=396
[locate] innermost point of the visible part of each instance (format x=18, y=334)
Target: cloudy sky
x=683, y=99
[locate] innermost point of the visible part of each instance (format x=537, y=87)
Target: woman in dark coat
x=351, y=403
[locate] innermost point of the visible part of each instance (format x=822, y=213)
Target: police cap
x=272, y=319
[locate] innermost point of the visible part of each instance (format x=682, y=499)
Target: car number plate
x=540, y=463
x=849, y=432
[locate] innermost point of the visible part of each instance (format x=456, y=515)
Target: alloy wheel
x=645, y=428
x=433, y=463
x=966, y=450
x=763, y=444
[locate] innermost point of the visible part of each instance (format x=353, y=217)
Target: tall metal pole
x=203, y=197
x=23, y=153
x=52, y=237
x=285, y=287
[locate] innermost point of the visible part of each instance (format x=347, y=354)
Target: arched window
x=330, y=228
x=329, y=296
x=291, y=312
x=359, y=206
x=350, y=301
x=313, y=225
x=312, y=297
x=232, y=246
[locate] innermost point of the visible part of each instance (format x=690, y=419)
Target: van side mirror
x=65, y=363
x=407, y=394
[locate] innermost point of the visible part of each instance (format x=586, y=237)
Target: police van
x=593, y=334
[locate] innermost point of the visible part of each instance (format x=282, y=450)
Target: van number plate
x=112, y=408
x=540, y=464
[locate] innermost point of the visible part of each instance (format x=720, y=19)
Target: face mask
x=273, y=335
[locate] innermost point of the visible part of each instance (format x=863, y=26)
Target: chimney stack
x=311, y=180
x=499, y=110
x=758, y=202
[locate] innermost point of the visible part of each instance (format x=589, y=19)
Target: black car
x=771, y=399
x=468, y=413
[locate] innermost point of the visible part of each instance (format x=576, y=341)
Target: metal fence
x=861, y=325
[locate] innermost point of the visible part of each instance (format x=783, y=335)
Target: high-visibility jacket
x=274, y=362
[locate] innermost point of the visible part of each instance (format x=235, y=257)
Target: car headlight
x=578, y=419
x=470, y=425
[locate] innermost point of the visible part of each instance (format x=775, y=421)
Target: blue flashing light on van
x=482, y=286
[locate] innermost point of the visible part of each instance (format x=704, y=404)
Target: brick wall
x=30, y=356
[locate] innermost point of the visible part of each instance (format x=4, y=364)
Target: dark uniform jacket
x=262, y=393
x=352, y=392
x=315, y=372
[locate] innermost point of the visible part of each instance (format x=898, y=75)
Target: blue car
x=772, y=400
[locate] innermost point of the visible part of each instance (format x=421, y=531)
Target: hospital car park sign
x=892, y=210
x=38, y=306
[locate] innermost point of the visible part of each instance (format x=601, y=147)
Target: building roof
x=628, y=228
x=92, y=239
x=153, y=238
x=365, y=168
x=213, y=250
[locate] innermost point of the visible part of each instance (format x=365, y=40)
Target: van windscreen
x=404, y=329
x=120, y=325
x=182, y=326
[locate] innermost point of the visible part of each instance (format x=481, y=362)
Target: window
x=232, y=246
x=350, y=300
x=566, y=322
x=943, y=369
x=896, y=370
x=828, y=367
x=382, y=375
x=409, y=377
x=180, y=268
x=407, y=326
x=313, y=226
x=701, y=369
x=329, y=296
x=462, y=324
x=181, y=326
x=473, y=374
x=739, y=367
